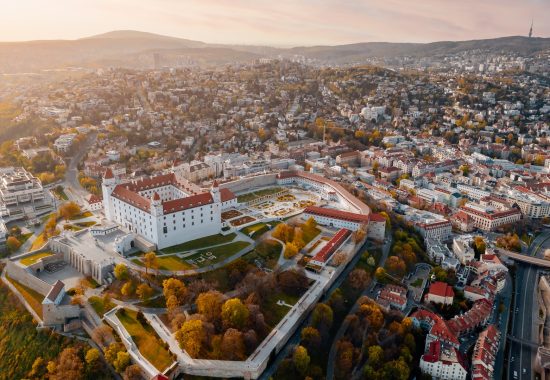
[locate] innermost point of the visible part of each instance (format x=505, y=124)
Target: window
x=165, y=229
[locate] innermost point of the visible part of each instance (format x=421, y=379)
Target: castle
x=165, y=210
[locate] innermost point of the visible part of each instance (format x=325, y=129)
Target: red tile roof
x=126, y=195
x=226, y=195
x=332, y=245
x=109, y=174
x=441, y=289
x=187, y=203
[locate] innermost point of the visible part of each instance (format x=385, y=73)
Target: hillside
x=139, y=49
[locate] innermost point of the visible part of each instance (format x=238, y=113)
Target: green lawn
x=168, y=263
x=32, y=296
x=309, y=235
x=38, y=242
x=159, y=301
x=146, y=339
x=246, y=198
x=221, y=253
x=417, y=283
x=257, y=194
x=200, y=243
x=255, y=230
x=32, y=259
x=85, y=214
x=274, y=313
x=100, y=306
x=60, y=194
x=267, y=251
x=86, y=224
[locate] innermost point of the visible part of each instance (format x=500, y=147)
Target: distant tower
x=107, y=187
x=531, y=30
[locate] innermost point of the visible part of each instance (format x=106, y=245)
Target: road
x=524, y=313
x=72, y=186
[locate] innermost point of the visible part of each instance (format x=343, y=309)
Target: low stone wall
x=249, y=183
x=131, y=347
x=26, y=277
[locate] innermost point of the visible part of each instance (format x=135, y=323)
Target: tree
x=132, y=372
x=112, y=351
x=234, y=313
x=102, y=334
x=358, y=279
x=380, y=274
x=144, y=291
x=375, y=356
x=396, y=266
x=311, y=339
x=122, y=361
x=344, y=359
x=301, y=359
x=13, y=243
x=283, y=232
x=39, y=369
x=232, y=345
x=210, y=304
x=322, y=317
x=150, y=261
x=69, y=210
x=479, y=246
x=292, y=281
x=69, y=365
x=291, y=250
x=177, y=321
x=121, y=272
x=92, y=356
x=191, y=337
x=175, y=292
x=310, y=225
x=128, y=289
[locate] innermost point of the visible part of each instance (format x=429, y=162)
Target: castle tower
x=156, y=205
x=215, y=191
x=107, y=187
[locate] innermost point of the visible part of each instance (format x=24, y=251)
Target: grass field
x=85, y=214
x=32, y=296
x=221, y=252
x=309, y=235
x=257, y=194
x=159, y=301
x=200, y=243
x=267, y=251
x=274, y=313
x=30, y=260
x=100, y=306
x=38, y=242
x=256, y=230
x=146, y=339
x=171, y=262
x=60, y=194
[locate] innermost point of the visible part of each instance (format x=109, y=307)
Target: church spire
x=531, y=29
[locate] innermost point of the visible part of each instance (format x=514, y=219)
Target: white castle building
x=165, y=210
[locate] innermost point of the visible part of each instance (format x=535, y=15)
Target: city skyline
x=286, y=23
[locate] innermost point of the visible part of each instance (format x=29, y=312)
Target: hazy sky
x=277, y=22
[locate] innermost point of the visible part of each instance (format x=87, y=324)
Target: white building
x=443, y=362
x=18, y=186
x=165, y=210
x=488, y=219
x=462, y=248
x=64, y=142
